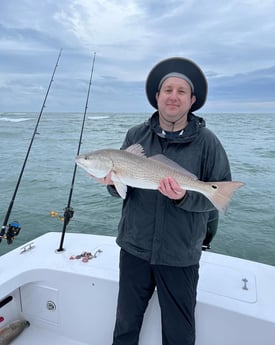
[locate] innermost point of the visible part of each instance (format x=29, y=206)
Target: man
x=161, y=232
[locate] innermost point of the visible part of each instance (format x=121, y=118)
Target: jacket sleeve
x=112, y=190
x=215, y=168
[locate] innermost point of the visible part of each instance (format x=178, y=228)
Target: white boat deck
x=236, y=298
x=41, y=336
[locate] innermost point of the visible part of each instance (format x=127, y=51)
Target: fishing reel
x=9, y=232
x=56, y=214
x=68, y=214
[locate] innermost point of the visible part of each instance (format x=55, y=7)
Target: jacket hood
x=190, y=132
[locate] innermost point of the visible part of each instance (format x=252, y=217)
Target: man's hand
x=170, y=188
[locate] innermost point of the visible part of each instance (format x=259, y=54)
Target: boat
x=69, y=296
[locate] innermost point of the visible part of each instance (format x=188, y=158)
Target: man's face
x=174, y=99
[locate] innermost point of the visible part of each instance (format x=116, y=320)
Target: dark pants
x=176, y=288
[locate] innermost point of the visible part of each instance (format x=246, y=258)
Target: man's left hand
x=170, y=188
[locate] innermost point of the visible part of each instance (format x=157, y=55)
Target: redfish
x=131, y=167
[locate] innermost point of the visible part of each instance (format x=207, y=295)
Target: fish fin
x=172, y=164
x=121, y=189
x=223, y=193
x=136, y=149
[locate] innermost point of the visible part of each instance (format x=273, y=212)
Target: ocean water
x=248, y=231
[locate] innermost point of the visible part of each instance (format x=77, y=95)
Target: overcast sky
x=233, y=41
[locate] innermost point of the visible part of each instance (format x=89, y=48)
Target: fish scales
x=149, y=172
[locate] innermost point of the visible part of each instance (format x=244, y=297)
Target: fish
x=11, y=331
x=132, y=168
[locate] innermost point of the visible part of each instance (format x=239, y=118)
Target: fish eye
x=214, y=186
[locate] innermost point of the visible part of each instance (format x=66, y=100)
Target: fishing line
x=8, y=232
x=68, y=212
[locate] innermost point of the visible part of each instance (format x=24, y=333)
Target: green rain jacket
x=156, y=228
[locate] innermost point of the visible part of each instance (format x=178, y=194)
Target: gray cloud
x=232, y=42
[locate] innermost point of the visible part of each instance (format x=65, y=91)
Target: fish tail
x=222, y=194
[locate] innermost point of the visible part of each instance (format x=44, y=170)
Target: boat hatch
x=227, y=282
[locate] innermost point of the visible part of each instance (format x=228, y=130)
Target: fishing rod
x=9, y=231
x=68, y=211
